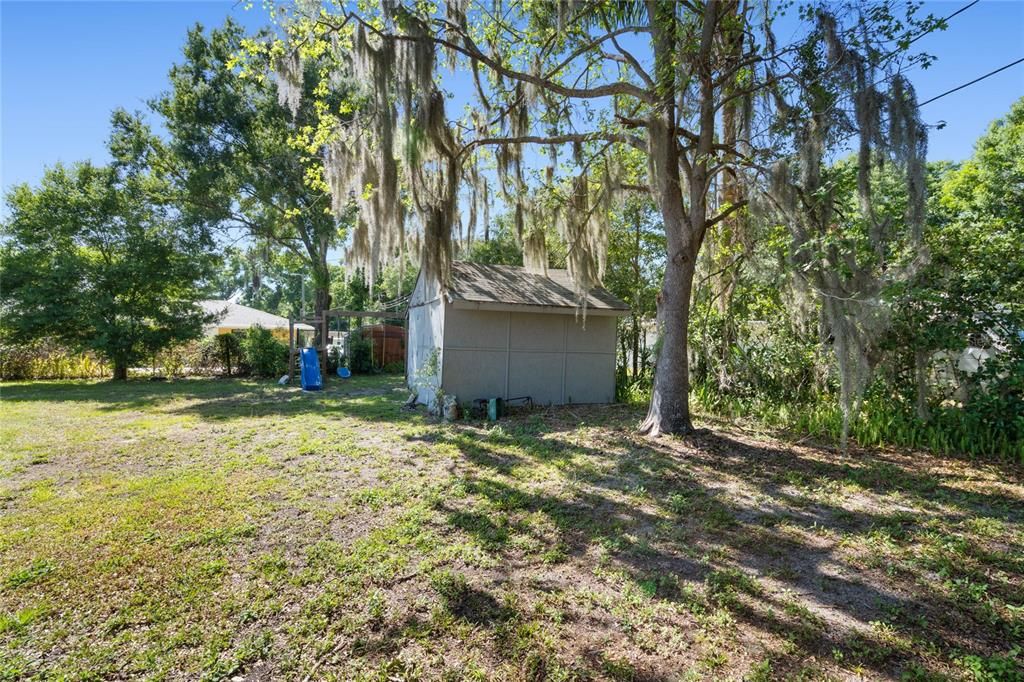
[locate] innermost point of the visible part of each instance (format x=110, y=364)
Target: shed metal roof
x=238, y=316
x=515, y=285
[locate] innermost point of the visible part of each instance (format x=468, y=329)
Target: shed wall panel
x=593, y=334
x=537, y=332
x=536, y=374
x=589, y=377
x=474, y=373
x=550, y=357
x=475, y=329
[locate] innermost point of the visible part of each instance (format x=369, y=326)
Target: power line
x=979, y=78
x=937, y=26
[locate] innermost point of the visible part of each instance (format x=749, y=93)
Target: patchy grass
x=212, y=529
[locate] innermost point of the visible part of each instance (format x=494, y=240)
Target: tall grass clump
x=956, y=430
x=46, y=359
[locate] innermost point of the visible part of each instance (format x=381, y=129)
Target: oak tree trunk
x=321, y=305
x=685, y=226
x=669, y=411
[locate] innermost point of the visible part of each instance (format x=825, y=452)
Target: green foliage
x=360, y=354
x=231, y=146
x=351, y=291
x=45, y=359
x=971, y=293
x=995, y=668
x=997, y=403
x=396, y=367
x=229, y=351
x=949, y=430
x=501, y=249
x=779, y=361
x=266, y=278
x=636, y=267
x=99, y=259
x=263, y=354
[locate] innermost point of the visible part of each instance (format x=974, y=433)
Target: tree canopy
x=97, y=257
x=233, y=154
x=703, y=92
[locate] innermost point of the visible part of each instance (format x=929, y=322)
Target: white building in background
x=232, y=317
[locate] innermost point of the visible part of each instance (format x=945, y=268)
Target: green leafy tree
x=266, y=279
x=979, y=241
x=580, y=83
x=264, y=355
x=233, y=154
x=501, y=246
x=972, y=291
x=636, y=261
x=96, y=257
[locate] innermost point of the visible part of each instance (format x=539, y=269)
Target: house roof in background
x=238, y=316
x=515, y=285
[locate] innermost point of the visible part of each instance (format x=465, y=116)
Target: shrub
x=229, y=350
x=202, y=357
x=997, y=403
x=394, y=368
x=360, y=354
x=262, y=354
x=46, y=359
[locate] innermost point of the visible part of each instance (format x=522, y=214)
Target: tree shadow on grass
x=369, y=397
x=713, y=506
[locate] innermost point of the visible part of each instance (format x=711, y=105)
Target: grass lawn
x=221, y=529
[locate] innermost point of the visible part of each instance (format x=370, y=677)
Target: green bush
x=203, y=356
x=261, y=354
x=397, y=367
x=229, y=351
x=996, y=405
x=360, y=354
x=882, y=421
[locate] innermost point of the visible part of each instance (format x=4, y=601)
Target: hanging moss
x=887, y=130
x=289, y=81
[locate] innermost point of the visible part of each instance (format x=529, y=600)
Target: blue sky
x=65, y=65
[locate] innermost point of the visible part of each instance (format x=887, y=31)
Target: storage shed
x=502, y=331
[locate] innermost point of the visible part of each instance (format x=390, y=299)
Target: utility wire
x=979, y=78
x=932, y=30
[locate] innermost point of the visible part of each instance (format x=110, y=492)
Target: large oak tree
x=232, y=152
x=693, y=85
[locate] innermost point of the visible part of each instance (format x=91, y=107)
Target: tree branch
x=471, y=51
x=631, y=140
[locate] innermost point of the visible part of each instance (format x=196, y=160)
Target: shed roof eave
x=462, y=304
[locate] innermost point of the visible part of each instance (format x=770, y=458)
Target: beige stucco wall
x=555, y=358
